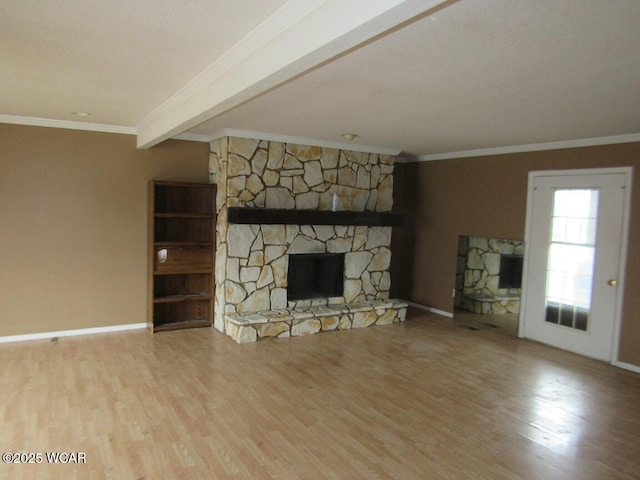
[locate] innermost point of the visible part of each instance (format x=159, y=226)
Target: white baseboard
x=429, y=309
x=628, y=366
x=68, y=333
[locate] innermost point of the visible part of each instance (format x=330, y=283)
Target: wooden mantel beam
x=281, y=216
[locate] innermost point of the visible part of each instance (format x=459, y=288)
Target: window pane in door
x=571, y=257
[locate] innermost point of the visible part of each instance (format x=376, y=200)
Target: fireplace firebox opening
x=510, y=271
x=315, y=275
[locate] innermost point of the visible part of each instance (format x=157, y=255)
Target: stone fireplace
x=488, y=275
x=253, y=259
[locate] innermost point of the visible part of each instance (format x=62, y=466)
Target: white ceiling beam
x=299, y=36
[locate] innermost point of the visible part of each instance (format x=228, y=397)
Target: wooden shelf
x=183, y=215
x=277, y=216
x=182, y=227
x=184, y=198
x=178, y=270
x=178, y=325
x=183, y=244
x=183, y=259
x=189, y=297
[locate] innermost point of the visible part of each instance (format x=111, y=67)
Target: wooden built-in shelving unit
x=182, y=231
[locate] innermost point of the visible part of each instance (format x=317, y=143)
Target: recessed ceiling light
x=349, y=136
x=80, y=114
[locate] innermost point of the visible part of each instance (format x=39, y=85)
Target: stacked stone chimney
x=252, y=260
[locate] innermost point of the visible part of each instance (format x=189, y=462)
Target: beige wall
x=73, y=223
x=73, y=234
x=486, y=196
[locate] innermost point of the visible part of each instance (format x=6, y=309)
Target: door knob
x=612, y=283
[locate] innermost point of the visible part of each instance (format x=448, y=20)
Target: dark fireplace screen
x=315, y=275
x=510, y=271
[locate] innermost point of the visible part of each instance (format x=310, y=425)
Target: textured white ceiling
x=473, y=75
x=118, y=59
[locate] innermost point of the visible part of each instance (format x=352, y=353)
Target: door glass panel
x=571, y=257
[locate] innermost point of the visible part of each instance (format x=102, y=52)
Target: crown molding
x=229, y=132
x=314, y=142
x=532, y=147
x=90, y=127
x=51, y=123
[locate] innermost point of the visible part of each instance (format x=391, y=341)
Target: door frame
x=622, y=262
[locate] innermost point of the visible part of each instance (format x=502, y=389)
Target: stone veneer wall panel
x=252, y=260
x=481, y=276
x=218, y=175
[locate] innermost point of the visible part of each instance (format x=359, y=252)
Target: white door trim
x=628, y=173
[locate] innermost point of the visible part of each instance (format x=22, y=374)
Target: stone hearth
x=295, y=322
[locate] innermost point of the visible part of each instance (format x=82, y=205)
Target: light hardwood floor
x=506, y=323
x=428, y=399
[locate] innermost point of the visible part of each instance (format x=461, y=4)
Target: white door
x=574, y=249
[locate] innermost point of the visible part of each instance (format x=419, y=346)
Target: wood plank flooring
x=505, y=323
x=427, y=399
